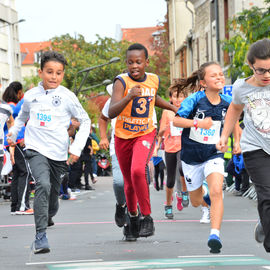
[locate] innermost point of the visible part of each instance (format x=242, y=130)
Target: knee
x=195, y=203
x=43, y=186
x=138, y=173
x=215, y=194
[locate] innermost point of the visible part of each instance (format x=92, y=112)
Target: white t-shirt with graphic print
x=256, y=134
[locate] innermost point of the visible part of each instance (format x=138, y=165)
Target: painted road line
x=207, y=256
x=266, y=267
x=165, y=263
x=57, y=262
x=112, y=222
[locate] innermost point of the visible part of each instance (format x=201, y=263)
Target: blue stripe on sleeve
x=189, y=104
x=121, y=79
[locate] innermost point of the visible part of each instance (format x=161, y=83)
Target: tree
x=160, y=63
x=246, y=27
x=81, y=54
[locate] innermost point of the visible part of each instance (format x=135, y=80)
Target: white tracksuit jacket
x=49, y=113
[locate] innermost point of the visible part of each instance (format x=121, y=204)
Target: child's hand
x=206, y=123
x=9, y=140
x=222, y=145
x=236, y=148
x=155, y=153
x=104, y=143
x=135, y=92
x=72, y=159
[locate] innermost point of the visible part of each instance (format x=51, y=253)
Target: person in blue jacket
x=20, y=184
x=202, y=116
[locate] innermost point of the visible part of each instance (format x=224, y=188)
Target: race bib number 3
x=206, y=136
x=140, y=107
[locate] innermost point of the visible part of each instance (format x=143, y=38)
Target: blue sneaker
x=206, y=196
x=41, y=244
x=168, y=212
x=185, y=201
x=214, y=243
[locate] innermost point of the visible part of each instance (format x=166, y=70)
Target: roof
x=28, y=51
x=142, y=35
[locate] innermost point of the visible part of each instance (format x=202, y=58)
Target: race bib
x=43, y=117
x=206, y=136
x=175, y=131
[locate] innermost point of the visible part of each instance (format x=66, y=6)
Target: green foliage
x=246, y=27
x=30, y=82
x=81, y=54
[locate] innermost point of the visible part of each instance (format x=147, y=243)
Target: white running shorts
x=196, y=174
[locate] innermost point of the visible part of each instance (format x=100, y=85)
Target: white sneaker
x=206, y=215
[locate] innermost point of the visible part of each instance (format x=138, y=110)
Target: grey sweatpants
x=48, y=175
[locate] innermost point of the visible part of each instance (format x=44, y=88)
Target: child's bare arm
x=10, y=122
x=118, y=101
x=103, y=123
x=163, y=104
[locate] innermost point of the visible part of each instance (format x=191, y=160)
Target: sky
x=45, y=19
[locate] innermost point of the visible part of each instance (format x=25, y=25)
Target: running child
x=252, y=95
x=172, y=146
x=133, y=100
x=202, y=115
x=49, y=108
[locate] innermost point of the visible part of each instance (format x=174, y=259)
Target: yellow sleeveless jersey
x=137, y=117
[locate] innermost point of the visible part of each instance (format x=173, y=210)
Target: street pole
x=87, y=70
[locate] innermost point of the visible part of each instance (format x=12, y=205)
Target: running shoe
x=214, y=243
x=65, y=196
x=179, y=202
x=185, y=199
x=135, y=225
x=206, y=196
x=205, y=216
x=41, y=244
x=168, y=212
x=120, y=215
x=128, y=236
x=147, y=226
x=259, y=233
x=29, y=211
x=50, y=222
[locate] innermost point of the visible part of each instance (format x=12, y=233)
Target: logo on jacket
x=56, y=101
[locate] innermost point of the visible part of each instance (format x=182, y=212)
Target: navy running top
x=199, y=145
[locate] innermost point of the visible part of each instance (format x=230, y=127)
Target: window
x=3, y=56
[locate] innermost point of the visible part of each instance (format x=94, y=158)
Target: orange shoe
x=29, y=211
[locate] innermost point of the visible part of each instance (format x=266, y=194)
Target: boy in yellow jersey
x=133, y=99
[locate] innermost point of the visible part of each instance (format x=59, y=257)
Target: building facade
x=10, y=57
x=31, y=53
x=202, y=43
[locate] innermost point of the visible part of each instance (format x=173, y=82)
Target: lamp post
x=98, y=95
x=87, y=70
x=10, y=46
x=8, y=23
x=105, y=82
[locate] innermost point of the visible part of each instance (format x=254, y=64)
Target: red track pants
x=133, y=156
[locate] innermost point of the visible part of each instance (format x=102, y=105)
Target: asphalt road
x=85, y=237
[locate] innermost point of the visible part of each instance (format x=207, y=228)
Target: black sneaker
x=88, y=187
x=127, y=233
x=135, y=225
x=259, y=233
x=120, y=215
x=50, y=222
x=147, y=226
